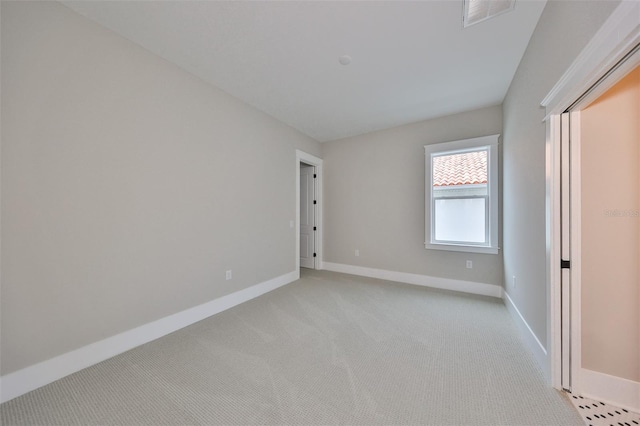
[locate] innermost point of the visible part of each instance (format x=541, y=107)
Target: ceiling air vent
x=480, y=10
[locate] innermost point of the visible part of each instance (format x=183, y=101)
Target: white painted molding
x=552, y=228
x=416, y=279
x=575, y=248
x=537, y=349
x=35, y=376
x=617, y=36
x=612, y=390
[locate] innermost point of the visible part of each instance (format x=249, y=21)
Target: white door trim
x=553, y=248
x=312, y=160
x=576, y=251
x=613, y=43
x=565, y=248
x=615, y=39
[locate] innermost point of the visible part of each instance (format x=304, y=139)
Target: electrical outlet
x=290, y=224
x=229, y=274
x=513, y=281
x=469, y=264
x=357, y=253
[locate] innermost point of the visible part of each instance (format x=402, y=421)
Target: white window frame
x=474, y=144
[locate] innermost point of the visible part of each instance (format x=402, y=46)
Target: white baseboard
x=35, y=376
x=612, y=390
x=537, y=349
x=423, y=280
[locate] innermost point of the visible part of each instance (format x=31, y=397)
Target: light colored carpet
x=327, y=349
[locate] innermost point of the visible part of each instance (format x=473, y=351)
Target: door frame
x=312, y=160
x=603, y=62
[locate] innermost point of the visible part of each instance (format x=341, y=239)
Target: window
x=475, y=11
x=461, y=211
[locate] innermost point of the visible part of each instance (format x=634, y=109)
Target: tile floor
x=596, y=413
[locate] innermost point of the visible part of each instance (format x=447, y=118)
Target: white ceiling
x=411, y=61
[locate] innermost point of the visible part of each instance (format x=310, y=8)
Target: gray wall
x=564, y=29
x=374, y=202
x=128, y=186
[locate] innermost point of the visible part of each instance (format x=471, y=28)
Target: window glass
x=461, y=220
x=460, y=196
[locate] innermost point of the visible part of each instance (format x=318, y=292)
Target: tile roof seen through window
x=469, y=168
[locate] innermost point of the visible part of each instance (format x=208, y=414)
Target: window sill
x=462, y=248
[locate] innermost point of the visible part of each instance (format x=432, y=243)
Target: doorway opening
x=308, y=226
x=308, y=222
x=577, y=210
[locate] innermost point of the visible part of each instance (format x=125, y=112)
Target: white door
x=307, y=216
x=565, y=247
